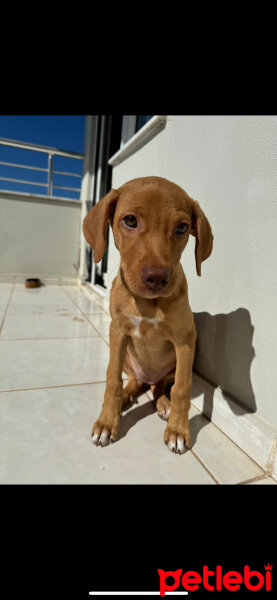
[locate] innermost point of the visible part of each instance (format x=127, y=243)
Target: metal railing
x=51, y=153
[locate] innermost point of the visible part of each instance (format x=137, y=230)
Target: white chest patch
x=137, y=321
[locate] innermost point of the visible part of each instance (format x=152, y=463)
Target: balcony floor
x=53, y=359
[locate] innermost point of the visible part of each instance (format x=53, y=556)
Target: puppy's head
x=151, y=219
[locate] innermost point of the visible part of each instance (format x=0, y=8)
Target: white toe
x=95, y=438
x=171, y=446
x=181, y=448
x=104, y=438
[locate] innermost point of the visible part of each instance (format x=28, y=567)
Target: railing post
x=50, y=174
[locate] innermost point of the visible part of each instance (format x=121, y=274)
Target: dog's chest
x=145, y=326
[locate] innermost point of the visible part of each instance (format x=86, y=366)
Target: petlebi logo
x=215, y=580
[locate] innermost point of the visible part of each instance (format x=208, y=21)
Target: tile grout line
x=68, y=337
x=204, y=466
x=87, y=316
x=6, y=309
x=272, y=454
x=46, y=387
x=253, y=479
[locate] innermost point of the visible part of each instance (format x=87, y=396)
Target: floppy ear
x=96, y=222
x=201, y=229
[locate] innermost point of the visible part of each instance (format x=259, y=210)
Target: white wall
x=39, y=236
x=228, y=164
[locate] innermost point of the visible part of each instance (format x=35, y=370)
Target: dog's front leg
x=105, y=429
x=177, y=432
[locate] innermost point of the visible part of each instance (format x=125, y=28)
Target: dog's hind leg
x=131, y=390
x=133, y=387
x=161, y=393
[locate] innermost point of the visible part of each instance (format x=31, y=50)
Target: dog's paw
x=163, y=407
x=105, y=430
x=177, y=442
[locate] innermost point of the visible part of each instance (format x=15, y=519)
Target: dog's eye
x=130, y=221
x=181, y=228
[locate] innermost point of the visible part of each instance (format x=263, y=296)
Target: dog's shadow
x=223, y=357
x=131, y=417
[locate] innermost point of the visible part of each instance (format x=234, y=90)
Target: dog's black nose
x=155, y=278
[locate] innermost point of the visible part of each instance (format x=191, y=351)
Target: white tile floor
x=53, y=359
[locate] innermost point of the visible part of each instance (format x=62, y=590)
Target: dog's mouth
x=154, y=294
x=152, y=291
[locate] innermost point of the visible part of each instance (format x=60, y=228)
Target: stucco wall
x=228, y=164
x=39, y=236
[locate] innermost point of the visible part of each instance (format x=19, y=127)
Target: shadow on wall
x=223, y=356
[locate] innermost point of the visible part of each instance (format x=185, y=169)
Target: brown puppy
x=152, y=332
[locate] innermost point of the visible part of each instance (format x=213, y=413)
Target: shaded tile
x=226, y=461
x=247, y=430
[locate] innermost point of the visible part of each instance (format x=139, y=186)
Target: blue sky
x=65, y=132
